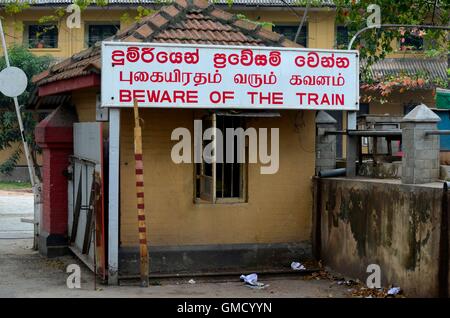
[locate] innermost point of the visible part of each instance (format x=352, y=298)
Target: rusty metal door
x=85, y=219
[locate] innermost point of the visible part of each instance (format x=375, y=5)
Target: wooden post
x=139, y=165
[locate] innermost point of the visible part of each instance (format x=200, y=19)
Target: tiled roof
x=434, y=68
x=46, y=102
x=267, y=3
x=184, y=21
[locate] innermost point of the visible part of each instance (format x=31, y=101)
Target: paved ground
x=24, y=273
x=13, y=206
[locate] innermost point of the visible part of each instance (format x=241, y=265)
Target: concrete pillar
x=351, y=155
x=420, y=162
x=352, y=145
x=325, y=144
x=55, y=136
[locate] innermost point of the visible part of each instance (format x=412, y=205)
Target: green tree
x=375, y=44
x=9, y=128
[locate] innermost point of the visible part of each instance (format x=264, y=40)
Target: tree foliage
x=31, y=64
x=9, y=128
x=375, y=44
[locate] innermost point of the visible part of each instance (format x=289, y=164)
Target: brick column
x=420, y=162
x=55, y=136
x=325, y=144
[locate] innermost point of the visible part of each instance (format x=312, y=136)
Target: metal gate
x=86, y=215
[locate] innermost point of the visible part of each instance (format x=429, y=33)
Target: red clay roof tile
x=170, y=11
x=143, y=31
x=269, y=35
x=246, y=25
x=182, y=3
x=184, y=21
x=222, y=15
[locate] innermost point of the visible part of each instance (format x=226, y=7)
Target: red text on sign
x=158, y=96
x=321, y=99
x=275, y=98
x=221, y=97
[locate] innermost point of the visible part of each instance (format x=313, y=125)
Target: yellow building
x=33, y=28
x=254, y=221
x=62, y=37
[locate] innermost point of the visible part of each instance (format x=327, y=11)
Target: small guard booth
x=191, y=67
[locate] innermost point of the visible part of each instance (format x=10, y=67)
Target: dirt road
x=15, y=205
x=24, y=273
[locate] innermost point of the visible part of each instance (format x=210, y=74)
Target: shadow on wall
x=397, y=226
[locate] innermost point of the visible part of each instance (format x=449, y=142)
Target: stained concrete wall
x=397, y=226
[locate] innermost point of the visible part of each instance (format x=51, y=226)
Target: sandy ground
x=24, y=273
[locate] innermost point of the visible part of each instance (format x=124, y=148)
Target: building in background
x=255, y=221
x=56, y=39
x=32, y=28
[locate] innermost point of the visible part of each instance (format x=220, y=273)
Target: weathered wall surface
x=393, y=225
x=271, y=228
x=84, y=102
x=397, y=102
x=278, y=210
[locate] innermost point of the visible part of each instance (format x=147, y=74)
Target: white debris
x=251, y=281
x=347, y=282
x=191, y=281
x=296, y=266
x=394, y=291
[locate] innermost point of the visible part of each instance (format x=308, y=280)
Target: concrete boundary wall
x=365, y=221
x=19, y=174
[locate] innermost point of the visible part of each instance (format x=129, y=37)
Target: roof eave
x=70, y=84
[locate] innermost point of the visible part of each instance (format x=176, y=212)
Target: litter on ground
x=251, y=281
x=296, y=266
x=393, y=291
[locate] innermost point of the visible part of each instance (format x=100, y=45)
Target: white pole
x=114, y=195
x=33, y=178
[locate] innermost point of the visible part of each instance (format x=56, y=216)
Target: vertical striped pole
x=139, y=164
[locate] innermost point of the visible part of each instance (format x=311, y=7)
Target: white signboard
x=207, y=76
